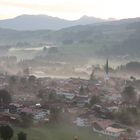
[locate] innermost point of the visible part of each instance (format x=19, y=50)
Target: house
x=102, y=112
x=4, y=108
x=8, y=117
x=81, y=100
x=27, y=111
x=106, y=127
x=113, y=108
x=41, y=115
x=66, y=95
x=115, y=132
x=73, y=110
x=82, y=121
x=13, y=107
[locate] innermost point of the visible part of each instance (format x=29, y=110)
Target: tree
x=27, y=120
x=44, y=49
x=53, y=83
x=47, y=94
x=124, y=117
x=133, y=66
x=32, y=79
x=23, y=80
x=133, y=78
x=129, y=131
x=55, y=114
x=94, y=100
x=92, y=76
x=82, y=90
x=128, y=116
x=26, y=71
x=138, y=102
x=75, y=138
x=22, y=136
x=5, y=97
x=129, y=95
x=52, y=95
x=6, y=132
x=53, y=50
x=13, y=80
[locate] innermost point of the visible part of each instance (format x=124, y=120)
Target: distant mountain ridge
x=40, y=22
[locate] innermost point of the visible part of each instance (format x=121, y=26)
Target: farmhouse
x=105, y=127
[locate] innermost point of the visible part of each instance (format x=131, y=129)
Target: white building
x=82, y=122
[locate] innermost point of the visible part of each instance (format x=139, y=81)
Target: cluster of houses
x=13, y=113
x=100, y=121
x=99, y=116
x=73, y=97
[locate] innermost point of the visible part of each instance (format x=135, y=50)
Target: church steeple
x=107, y=66
x=92, y=76
x=107, y=70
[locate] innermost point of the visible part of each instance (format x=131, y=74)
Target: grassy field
x=58, y=132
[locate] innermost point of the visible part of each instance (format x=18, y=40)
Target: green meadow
x=58, y=132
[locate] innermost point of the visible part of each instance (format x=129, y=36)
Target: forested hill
x=110, y=38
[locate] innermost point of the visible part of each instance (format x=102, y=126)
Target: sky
x=71, y=9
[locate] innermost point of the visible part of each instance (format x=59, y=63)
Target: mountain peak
x=40, y=22
x=85, y=16
x=89, y=17
x=112, y=19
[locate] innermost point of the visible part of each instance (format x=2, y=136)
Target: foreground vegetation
x=58, y=132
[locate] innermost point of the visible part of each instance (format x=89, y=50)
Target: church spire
x=107, y=70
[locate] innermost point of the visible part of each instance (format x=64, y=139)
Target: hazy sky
x=71, y=9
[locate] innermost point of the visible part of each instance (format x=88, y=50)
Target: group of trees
x=6, y=133
x=47, y=94
x=5, y=97
x=129, y=95
x=129, y=113
x=94, y=100
x=132, y=67
x=26, y=121
x=55, y=114
x=25, y=84
x=128, y=116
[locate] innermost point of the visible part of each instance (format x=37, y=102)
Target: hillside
x=117, y=38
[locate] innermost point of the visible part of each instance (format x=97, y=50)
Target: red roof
x=104, y=123
x=27, y=110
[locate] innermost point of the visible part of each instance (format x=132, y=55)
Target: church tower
x=107, y=70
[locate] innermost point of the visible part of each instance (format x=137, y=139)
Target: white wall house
x=41, y=115
x=107, y=129
x=82, y=122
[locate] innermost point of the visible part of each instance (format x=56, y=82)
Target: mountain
x=115, y=38
x=38, y=22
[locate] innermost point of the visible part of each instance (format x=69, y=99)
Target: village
x=107, y=105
